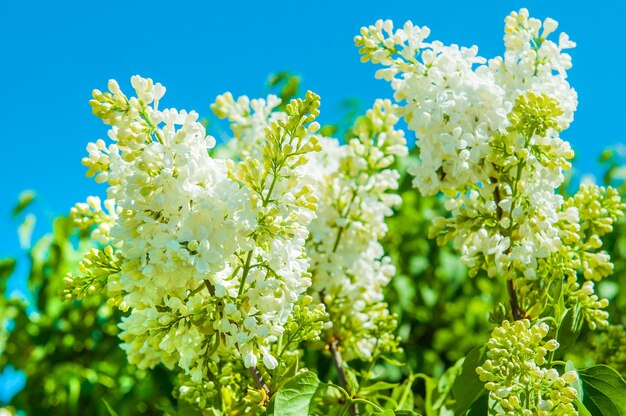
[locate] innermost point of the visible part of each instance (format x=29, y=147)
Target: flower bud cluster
x=598, y=208
x=610, y=348
x=96, y=267
x=584, y=297
x=211, y=252
x=583, y=219
x=228, y=392
x=249, y=118
x=515, y=376
x=90, y=215
x=306, y=323
x=532, y=59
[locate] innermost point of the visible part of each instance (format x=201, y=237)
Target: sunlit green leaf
x=569, y=331
x=23, y=201
x=379, y=385
x=109, y=408
x=468, y=386
x=295, y=396
x=605, y=391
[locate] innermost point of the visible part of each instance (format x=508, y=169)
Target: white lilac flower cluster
x=488, y=138
x=487, y=135
x=455, y=100
x=515, y=375
x=352, y=184
x=209, y=254
x=355, y=190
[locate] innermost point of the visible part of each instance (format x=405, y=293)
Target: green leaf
x=295, y=396
x=605, y=391
x=287, y=83
x=569, y=331
x=387, y=412
x=23, y=200
x=392, y=361
x=582, y=410
x=379, y=385
x=288, y=373
x=606, y=155
x=480, y=406
x=74, y=393
x=608, y=289
x=290, y=89
x=390, y=412
x=403, y=394
x=328, y=130
x=109, y=408
x=7, y=266
x=167, y=409
x=61, y=229
x=467, y=386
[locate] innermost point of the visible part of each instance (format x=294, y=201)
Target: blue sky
x=54, y=53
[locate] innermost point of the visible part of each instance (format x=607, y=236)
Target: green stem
x=518, y=176
x=198, y=289
x=516, y=310
x=556, y=336
x=339, y=232
x=407, y=390
x=275, y=172
x=246, y=270
x=359, y=400
x=344, y=215
x=428, y=399
x=345, y=408
x=152, y=126
x=370, y=365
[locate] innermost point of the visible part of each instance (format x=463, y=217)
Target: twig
x=210, y=287
x=515, y=308
x=341, y=373
x=260, y=383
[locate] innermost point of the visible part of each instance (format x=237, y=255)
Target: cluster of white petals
x=355, y=190
x=354, y=185
x=488, y=135
x=212, y=260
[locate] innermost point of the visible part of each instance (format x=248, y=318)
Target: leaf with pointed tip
x=468, y=386
x=605, y=391
x=295, y=396
x=23, y=201
x=569, y=330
